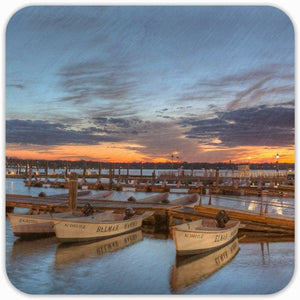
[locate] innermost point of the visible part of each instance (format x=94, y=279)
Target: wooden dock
x=165, y=214
x=53, y=204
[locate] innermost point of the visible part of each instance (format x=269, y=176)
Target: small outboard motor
x=129, y=212
x=87, y=210
x=222, y=218
x=132, y=199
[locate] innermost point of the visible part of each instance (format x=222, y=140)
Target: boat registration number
x=194, y=235
x=22, y=220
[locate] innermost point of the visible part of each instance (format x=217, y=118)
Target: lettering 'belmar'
x=107, y=228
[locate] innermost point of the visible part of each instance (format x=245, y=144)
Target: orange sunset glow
x=122, y=153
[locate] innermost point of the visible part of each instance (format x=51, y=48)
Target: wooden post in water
x=26, y=168
x=119, y=174
x=200, y=201
x=266, y=209
x=127, y=176
x=153, y=177
x=265, y=195
x=84, y=169
x=261, y=205
x=99, y=170
x=110, y=178
x=217, y=177
x=30, y=174
x=46, y=169
x=73, y=186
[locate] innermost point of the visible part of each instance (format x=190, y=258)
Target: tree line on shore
x=81, y=164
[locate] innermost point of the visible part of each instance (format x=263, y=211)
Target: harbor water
x=146, y=263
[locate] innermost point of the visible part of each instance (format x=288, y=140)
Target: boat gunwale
x=39, y=216
x=95, y=221
x=207, y=229
x=66, y=215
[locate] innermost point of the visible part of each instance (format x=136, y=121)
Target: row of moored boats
x=86, y=225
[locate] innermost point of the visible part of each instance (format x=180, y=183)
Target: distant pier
x=165, y=182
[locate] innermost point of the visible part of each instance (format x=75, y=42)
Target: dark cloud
x=43, y=133
x=102, y=129
x=122, y=127
x=257, y=126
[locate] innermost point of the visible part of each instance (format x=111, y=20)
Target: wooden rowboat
x=96, y=227
x=187, y=201
x=98, y=196
x=162, y=197
x=34, y=226
x=202, y=235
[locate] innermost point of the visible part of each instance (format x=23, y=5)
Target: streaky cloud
x=97, y=80
x=17, y=86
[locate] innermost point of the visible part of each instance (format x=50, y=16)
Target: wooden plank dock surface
x=61, y=204
x=253, y=221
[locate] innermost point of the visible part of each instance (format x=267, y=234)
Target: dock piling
x=209, y=201
x=261, y=206
x=73, y=186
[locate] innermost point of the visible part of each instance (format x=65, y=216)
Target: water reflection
x=70, y=253
x=27, y=248
x=273, y=206
x=263, y=243
x=192, y=269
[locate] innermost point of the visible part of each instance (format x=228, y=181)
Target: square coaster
x=155, y=144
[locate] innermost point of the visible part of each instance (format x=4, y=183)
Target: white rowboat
x=34, y=226
x=187, y=201
x=202, y=235
x=96, y=227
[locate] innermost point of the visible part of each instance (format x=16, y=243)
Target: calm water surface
x=142, y=263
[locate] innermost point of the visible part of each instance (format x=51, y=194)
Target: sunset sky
x=131, y=84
